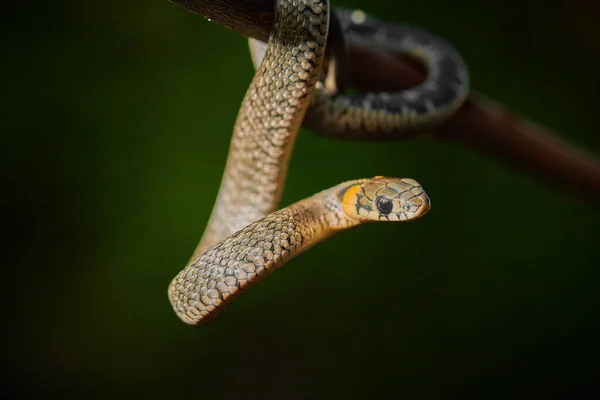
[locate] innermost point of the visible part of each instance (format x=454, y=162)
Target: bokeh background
x=116, y=120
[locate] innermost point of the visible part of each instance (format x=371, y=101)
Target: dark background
x=116, y=119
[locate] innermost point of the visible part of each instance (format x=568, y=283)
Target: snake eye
x=384, y=205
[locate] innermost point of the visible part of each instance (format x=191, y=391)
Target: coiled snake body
x=387, y=115
x=246, y=238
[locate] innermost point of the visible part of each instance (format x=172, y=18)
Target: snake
x=210, y=283
x=246, y=237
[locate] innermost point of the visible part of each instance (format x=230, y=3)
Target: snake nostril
x=423, y=202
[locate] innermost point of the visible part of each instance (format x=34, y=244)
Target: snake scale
x=246, y=238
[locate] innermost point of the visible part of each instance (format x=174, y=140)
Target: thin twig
x=480, y=123
x=251, y=18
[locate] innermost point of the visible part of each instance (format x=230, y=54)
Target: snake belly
x=388, y=115
x=207, y=285
x=269, y=119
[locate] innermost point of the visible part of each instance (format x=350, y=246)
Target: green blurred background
x=116, y=120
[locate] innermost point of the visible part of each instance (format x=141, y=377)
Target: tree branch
x=489, y=127
x=480, y=123
x=251, y=18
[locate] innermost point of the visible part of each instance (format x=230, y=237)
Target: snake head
x=385, y=199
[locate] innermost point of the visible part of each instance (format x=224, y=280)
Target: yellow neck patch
x=350, y=200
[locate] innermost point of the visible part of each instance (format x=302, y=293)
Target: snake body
x=388, y=115
x=269, y=119
x=246, y=238
x=215, y=279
